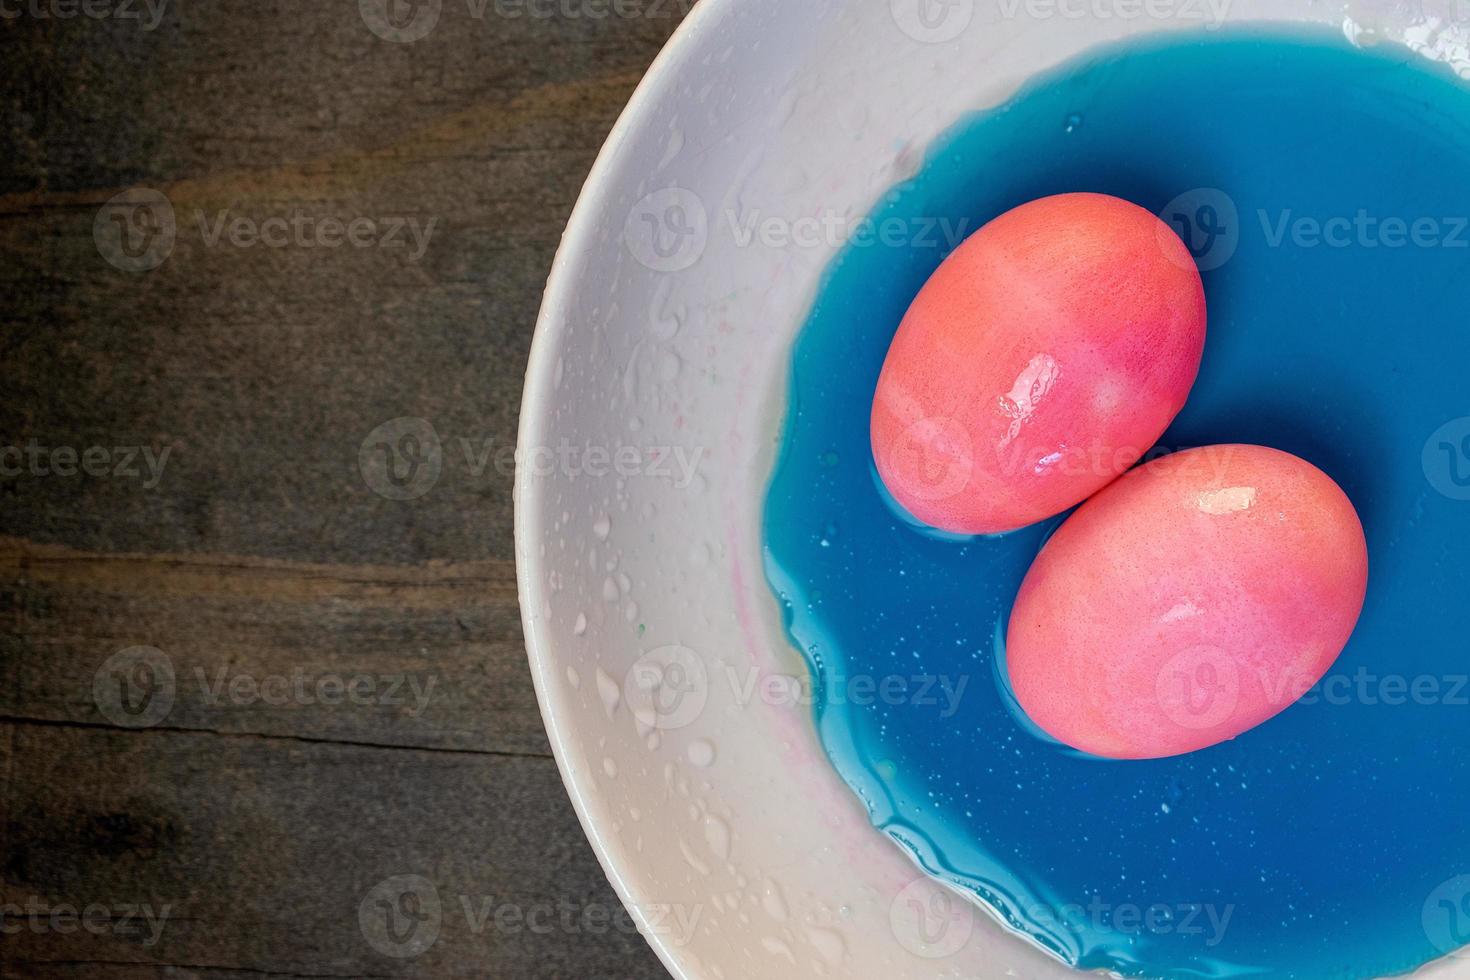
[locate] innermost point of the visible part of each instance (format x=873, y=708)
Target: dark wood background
x=262, y=551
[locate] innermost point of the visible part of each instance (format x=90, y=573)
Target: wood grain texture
x=347, y=695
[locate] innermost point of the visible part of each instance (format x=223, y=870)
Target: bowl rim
x=538, y=391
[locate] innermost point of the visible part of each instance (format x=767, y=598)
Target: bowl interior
x=680, y=716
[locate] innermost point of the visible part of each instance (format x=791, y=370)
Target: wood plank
x=427, y=656
x=254, y=857
x=260, y=548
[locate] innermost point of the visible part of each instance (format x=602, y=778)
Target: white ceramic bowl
x=653, y=399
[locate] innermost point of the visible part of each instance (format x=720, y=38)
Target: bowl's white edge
x=576, y=244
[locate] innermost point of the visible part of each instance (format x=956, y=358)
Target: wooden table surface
x=255, y=665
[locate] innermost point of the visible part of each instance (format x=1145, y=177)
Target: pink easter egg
x=1191, y=600
x=1039, y=362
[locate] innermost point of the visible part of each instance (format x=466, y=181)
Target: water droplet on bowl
x=773, y=901
x=717, y=836
x=829, y=945
x=702, y=753
x=609, y=691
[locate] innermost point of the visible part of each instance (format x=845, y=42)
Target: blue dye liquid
x=1322, y=839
